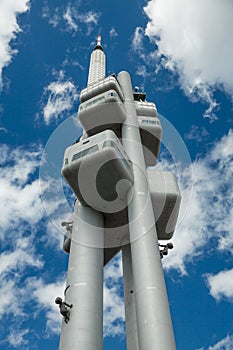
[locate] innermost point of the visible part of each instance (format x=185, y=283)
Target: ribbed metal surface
x=97, y=66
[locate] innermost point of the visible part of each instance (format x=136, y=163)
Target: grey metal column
x=130, y=310
x=84, y=290
x=155, y=329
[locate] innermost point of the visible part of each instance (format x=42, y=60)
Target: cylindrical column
x=84, y=288
x=154, y=324
x=130, y=310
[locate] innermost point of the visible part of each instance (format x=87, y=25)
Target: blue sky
x=181, y=53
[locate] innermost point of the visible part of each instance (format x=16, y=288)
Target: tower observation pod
x=109, y=170
x=122, y=205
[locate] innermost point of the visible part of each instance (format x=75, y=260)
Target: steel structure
x=121, y=205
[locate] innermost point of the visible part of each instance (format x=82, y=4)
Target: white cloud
x=209, y=214
x=20, y=207
x=194, y=39
x=3, y=130
x=22, y=256
x=8, y=299
x=22, y=228
x=68, y=16
x=89, y=17
x=53, y=18
x=197, y=133
x=114, y=314
x=45, y=294
x=138, y=38
x=223, y=344
x=9, y=10
x=71, y=17
x=113, y=33
x=16, y=337
x=138, y=47
x=221, y=285
x=26, y=199
x=20, y=192
x=13, y=265
x=61, y=98
x=141, y=71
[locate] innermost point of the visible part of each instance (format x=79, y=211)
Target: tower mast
x=97, y=64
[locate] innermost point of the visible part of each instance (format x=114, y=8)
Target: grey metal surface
x=105, y=84
x=97, y=65
x=151, y=135
x=166, y=198
x=99, y=172
x=84, y=289
x=146, y=108
x=154, y=324
x=129, y=296
x=104, y=111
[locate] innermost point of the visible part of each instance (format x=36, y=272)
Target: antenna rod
x=99, y=40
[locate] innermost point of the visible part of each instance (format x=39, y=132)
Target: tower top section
x=97, y=65
x=98, y=46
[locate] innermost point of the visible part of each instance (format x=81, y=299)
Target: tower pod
x=99, y=172
x=150, y=130
x=103, y=85
x=145, y=108
x=166, y=198
x=104, y=111
x=151, y=133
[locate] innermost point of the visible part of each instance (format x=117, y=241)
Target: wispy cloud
x=71, y=17
x=3, y=130
x=113, y=33
x=61, y=96
x=89, y=17
x=138, y=39
x=197, y=133
x=138, y=47
x=224, y=344
x=17, y=337
x=53, y=17
x=9, y=28
x=199, y=51
x=209, y=213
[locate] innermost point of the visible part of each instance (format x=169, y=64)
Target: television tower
x=121, y=205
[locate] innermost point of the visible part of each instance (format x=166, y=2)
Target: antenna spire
x=99, y=40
